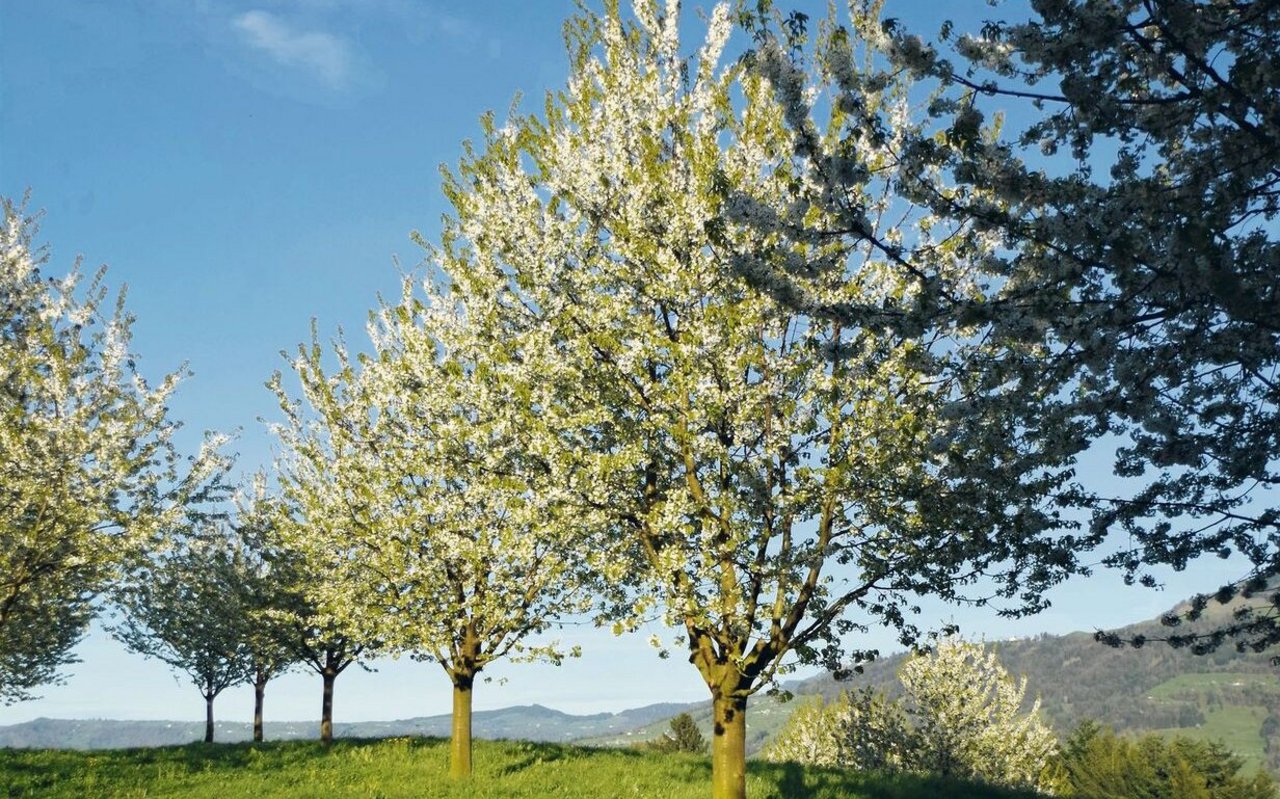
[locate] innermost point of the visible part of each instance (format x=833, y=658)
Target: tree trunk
x=208, y=719
x=460, y=740
x=326, y=706
x=259, y=690
x=729, y=747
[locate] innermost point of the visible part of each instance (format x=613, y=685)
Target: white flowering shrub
x=961, y=715
x=861, y=730
x=970, y=719
x=874, y=732
x=809, y=736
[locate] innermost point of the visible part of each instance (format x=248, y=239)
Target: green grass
x=1184, y=684
x=1236, y=727
x=400, y=768
x=1237, y=724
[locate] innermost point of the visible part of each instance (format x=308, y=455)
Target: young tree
x=187, y=608
x=271, y=633
x=861, y=730
x=764, y=470
x=89, y=476
x=810, y=736
x=684, y=736
x=456, y=550
x=1148, y=263
x=970, y=718
x=300, y=616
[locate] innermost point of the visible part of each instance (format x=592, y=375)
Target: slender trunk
x=729, y=747
x=208, y=719
x=259, y=690
x=326, y=706
x=460, y=741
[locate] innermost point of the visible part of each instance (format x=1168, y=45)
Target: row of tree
x=768, y=348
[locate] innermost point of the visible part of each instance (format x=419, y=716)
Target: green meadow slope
x=400, y=768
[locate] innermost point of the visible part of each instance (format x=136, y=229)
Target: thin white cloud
x=324, y=55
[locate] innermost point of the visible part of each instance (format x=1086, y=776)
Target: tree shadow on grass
x=530, y=754
x=202, y=756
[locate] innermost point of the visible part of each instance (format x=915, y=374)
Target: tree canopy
x=1137, y=211
x=191, y=607
x=417, y=465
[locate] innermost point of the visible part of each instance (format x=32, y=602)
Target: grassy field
x=1235, y=727
x=1237, y=723
x=1195, y=684
x=417, y=767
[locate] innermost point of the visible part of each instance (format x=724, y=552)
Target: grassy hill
x=400, y=768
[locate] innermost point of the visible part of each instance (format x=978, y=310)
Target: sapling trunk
x=326, y=706
x=208, y=719
x=460, y=741
x=259, y=692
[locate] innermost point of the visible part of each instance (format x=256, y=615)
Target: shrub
x=961, y=716
x=1098, y=764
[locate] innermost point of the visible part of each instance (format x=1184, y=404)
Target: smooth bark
x=729, y=747
x=259, y=692
x=460, y=740
x=208, y=719
x=326, y=706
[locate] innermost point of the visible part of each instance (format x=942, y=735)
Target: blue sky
x=245, y=167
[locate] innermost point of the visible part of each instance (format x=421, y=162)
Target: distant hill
x=526, y=722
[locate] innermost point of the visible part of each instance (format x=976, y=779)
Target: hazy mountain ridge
x=527, y=722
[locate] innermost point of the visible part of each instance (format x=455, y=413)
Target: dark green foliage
x=1098, y=764
x=683, y=737
x=415, y=768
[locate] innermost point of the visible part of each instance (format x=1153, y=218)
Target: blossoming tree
x=961, y=715
x=773, y=479
x=419, y=467
x=89, y=474
x=188, y=607
x=303, y=535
